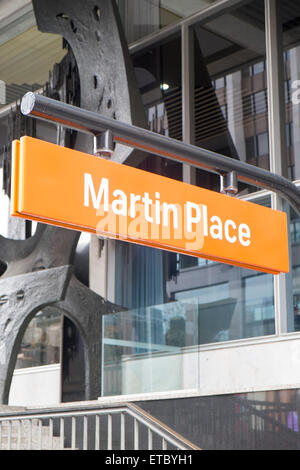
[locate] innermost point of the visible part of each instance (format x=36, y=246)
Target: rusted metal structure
x=97, y=75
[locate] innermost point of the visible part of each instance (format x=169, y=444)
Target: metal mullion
x=277, y=137
x=275, y=86
x=188, y=85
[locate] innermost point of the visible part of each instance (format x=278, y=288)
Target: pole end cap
x=27, y=103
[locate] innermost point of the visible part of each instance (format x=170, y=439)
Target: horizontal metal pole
x=41, y=107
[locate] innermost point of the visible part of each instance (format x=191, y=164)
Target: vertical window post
x=277, y=138
x=187, y=71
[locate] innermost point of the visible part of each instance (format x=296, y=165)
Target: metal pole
x=283, y=294
x=87, y=121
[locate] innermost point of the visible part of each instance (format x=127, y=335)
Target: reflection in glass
x=233, y=303
x=143, y=17
x=42, y=340
x=230, y=87
x=158, y=73
x=259, y=305
x=233, y=310
x=264, y=420
x=290, y=14
x=141, y=345
x=215, y=310
x=174, y=304
x=294, y=314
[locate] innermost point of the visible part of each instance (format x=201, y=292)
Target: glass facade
x=141, y=344
x=263, y=420
x=230, y=87
x=289, y=17
x=158, y=73
x=143, y=17
x=176, y=304
x=294, y=277
x=41, y=343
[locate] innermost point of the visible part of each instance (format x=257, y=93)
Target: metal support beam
x=86, y=121
x=275, y=78
x=283, y=294
x=188, y=92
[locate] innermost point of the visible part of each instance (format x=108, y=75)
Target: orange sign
x=64, y=187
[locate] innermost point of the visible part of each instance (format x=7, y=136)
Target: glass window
x=259, y=305
x=290, y=13
x=140, y=345
x=214, y=307
x=158, y=73
x=231, y=47
x=259, y=67
x=185, y=262
x=296, y=298
x=219, y=83
x=174, y=304
x=251, y=149
x=233, y=303
x=143, y=17
x=294, y=277
x=262, y=144
x=224, y=110
x=41, y=342
x=260, y=102
x=287, y=90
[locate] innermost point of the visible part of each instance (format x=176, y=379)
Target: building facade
x=211, y=349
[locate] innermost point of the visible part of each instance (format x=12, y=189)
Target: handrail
x=44, y=108
x=137, y=411
x=66, y=411
x=264, y=414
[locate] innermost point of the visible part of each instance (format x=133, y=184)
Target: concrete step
x=22, y=442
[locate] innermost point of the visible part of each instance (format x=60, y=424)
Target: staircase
x=23, y=435
x=87, y=427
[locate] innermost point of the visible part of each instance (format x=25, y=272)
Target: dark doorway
x=73, y=373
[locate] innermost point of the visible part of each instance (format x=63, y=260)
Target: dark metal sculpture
x=107, y=81
x=21, y=298
x=96, y=74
